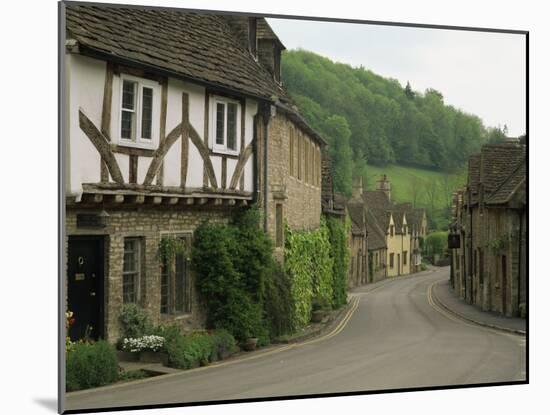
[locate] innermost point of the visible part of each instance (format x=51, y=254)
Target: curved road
x=397, y=337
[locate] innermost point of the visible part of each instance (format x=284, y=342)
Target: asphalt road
x=396, y=338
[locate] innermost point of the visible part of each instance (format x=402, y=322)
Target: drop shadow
x=48, y=403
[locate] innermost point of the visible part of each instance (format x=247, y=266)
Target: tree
x=338, y=133
x=408, y=91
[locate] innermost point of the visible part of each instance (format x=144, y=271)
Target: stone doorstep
x=155, y=368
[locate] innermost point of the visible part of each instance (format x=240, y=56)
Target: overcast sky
x=480, y=73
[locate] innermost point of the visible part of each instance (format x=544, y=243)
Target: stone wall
x=299, y=191
x=149, y=224
x=490, y=276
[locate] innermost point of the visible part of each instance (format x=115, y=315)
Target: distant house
x=403, y=227
x=417, y=228
x=377, y=248
x=171, y=118
x=490, y=224
x=359, y=237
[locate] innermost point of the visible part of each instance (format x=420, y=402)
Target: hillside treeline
x=366, y=117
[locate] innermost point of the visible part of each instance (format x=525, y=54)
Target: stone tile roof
x=515, y=183
x=498, y=161
x=380, y=206
x=376, y=236
x=199, y=47
x=492, y=167
x=357, y=216
x=377, y=199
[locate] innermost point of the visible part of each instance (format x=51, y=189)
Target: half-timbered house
x=171, y=118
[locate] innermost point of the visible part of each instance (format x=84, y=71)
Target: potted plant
x=250, y=344
x=149, y=348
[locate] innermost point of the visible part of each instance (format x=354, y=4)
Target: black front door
x=85, y=286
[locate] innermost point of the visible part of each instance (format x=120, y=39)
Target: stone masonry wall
x=300, y=196
x=150, y=224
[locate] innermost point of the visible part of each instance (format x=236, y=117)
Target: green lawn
x=425, y=188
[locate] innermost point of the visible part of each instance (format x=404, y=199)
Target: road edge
x=463, y=317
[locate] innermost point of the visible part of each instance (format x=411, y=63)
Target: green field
x=429, y=189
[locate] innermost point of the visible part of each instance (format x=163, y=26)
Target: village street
x=397, y=337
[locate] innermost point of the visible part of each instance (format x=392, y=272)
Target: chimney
x=269, y=49
x=385, y=186
x=357, y=189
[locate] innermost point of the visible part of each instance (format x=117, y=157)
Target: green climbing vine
x=309, y=264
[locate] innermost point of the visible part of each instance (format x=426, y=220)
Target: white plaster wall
x=172, y=165
x=85, y=80
x=86, y=83
x=172, y=162
x=194, y=169
x=143, y=166
x=251, y=110
x=248, y=175
x=217, y=165
x=123, y=161
x=231, y=164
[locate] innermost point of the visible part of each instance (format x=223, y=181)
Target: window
x=137, y=111
x=226, y=125
x=175, y=284
x=131, y=270
x=391, y=260
x=278, y=225
x=391, y=230
x=405, y=257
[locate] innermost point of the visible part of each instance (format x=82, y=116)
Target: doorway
x=85, y=286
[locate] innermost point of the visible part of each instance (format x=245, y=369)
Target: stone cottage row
x=173, y=118
x=489, y=231
x=385, y=237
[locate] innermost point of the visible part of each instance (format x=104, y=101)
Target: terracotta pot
x=250, y=344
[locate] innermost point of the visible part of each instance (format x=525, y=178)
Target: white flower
x=145, y=343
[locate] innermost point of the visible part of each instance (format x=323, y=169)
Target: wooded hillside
x=366, y=117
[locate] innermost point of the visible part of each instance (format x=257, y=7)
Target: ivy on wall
x=338, y=232
x=309, y=263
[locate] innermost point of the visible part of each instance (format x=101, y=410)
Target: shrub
x=436, y=243
x=278, y=302
x=224, y=342
x=134, y=321
x=184, y=352
x=310, y=266
x=91, y=365
x=338, y=237
x=232, y=281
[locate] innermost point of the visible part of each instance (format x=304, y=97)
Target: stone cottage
x=395, y=233
x=171, y=118
x=359, y=274
x=490, y=226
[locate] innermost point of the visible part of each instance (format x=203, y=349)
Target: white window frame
x=222, y=148
x=139, y=141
